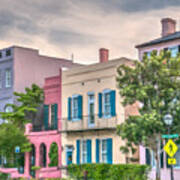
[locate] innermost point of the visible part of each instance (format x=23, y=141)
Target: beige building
x=91, y=110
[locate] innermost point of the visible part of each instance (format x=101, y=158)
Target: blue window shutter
x=80, y=108
x=69, y=108
x=113, y=102
x=97, y=150
x=46, y=116
x=109, y=151
x=88, y=151
x=148, y=157
x=56, y=116
x=100, y=105
x=78, y=152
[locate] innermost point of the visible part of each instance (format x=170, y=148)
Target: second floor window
x=75, y=108
x=174, y=51
x=107, y=104
x=8, y=78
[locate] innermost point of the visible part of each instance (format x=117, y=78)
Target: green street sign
x=170, y=136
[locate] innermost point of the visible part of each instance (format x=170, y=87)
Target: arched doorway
x=43, y=155
x=53, y=155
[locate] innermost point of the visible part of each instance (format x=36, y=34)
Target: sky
x=60, y=28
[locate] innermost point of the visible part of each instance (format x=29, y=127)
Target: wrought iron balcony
x=38, y=128
x=89, y=123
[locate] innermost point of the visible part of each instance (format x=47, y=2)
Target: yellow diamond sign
x=171, y=161
x=170, y=148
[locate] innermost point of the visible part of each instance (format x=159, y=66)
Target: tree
x=22, y=112
x=154, y=83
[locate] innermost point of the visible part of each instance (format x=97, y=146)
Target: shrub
x=109, y=172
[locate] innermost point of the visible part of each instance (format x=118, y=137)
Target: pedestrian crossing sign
x=171, y=161
x=170, y=148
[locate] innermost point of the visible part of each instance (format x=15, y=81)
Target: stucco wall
x=96, y=78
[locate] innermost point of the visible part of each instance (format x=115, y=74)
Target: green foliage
x=34, y=168
x=53, y=154
x=153, y=82
x=25, y=109
x=3, y=176
x=12, y=130
x=109, y=172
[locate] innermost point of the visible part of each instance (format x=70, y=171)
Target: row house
x=169, y=40
x=91, y=110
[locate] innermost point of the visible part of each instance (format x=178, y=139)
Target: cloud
x=62, y=27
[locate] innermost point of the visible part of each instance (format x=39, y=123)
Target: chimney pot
x=103, y=55
x=168, y=26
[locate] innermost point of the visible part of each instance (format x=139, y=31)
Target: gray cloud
x=69, y=38
x=130, y=6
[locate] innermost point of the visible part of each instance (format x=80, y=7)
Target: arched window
x=43, y=155
x=53, y=155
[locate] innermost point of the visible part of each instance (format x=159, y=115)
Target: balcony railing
x=38, y=128
x=89, y=123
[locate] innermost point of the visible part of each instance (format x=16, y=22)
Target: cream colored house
x=91, y=110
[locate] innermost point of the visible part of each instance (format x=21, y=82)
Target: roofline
x=153, y=43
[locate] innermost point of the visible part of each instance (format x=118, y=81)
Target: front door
x=69, y=154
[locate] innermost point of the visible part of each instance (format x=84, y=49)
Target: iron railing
x=89, y=123
x=38, y=128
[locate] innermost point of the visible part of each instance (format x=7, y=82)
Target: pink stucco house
x=169, y=40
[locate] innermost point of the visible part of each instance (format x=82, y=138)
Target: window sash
x=84, y=151
x=8, y=78
x=107, y=104
x=103, y=151
x=75, y=107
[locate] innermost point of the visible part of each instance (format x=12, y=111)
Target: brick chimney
x=168, y=26
x=103, y=55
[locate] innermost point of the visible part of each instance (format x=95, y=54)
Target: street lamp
x=168, y=120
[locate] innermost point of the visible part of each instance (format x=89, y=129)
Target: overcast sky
x=62, y=27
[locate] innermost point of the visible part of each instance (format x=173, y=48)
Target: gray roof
x=170, y=37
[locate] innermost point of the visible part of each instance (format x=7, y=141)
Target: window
x=0, y=79
x=174, y=51
x=8, y=52
x=103, y=151
x=0, y=54
x=8, y=78
x=75, y=108
x=90, y=108
x=107, y=104
x=84, y=151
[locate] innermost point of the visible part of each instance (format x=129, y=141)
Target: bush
x=109, y=172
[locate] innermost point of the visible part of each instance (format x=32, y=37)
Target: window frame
x=74, y=97
x=106, y=92
x=82, y=152
x=102, y=152
x=91, y=101
x=8, y=78
x=171, y=50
